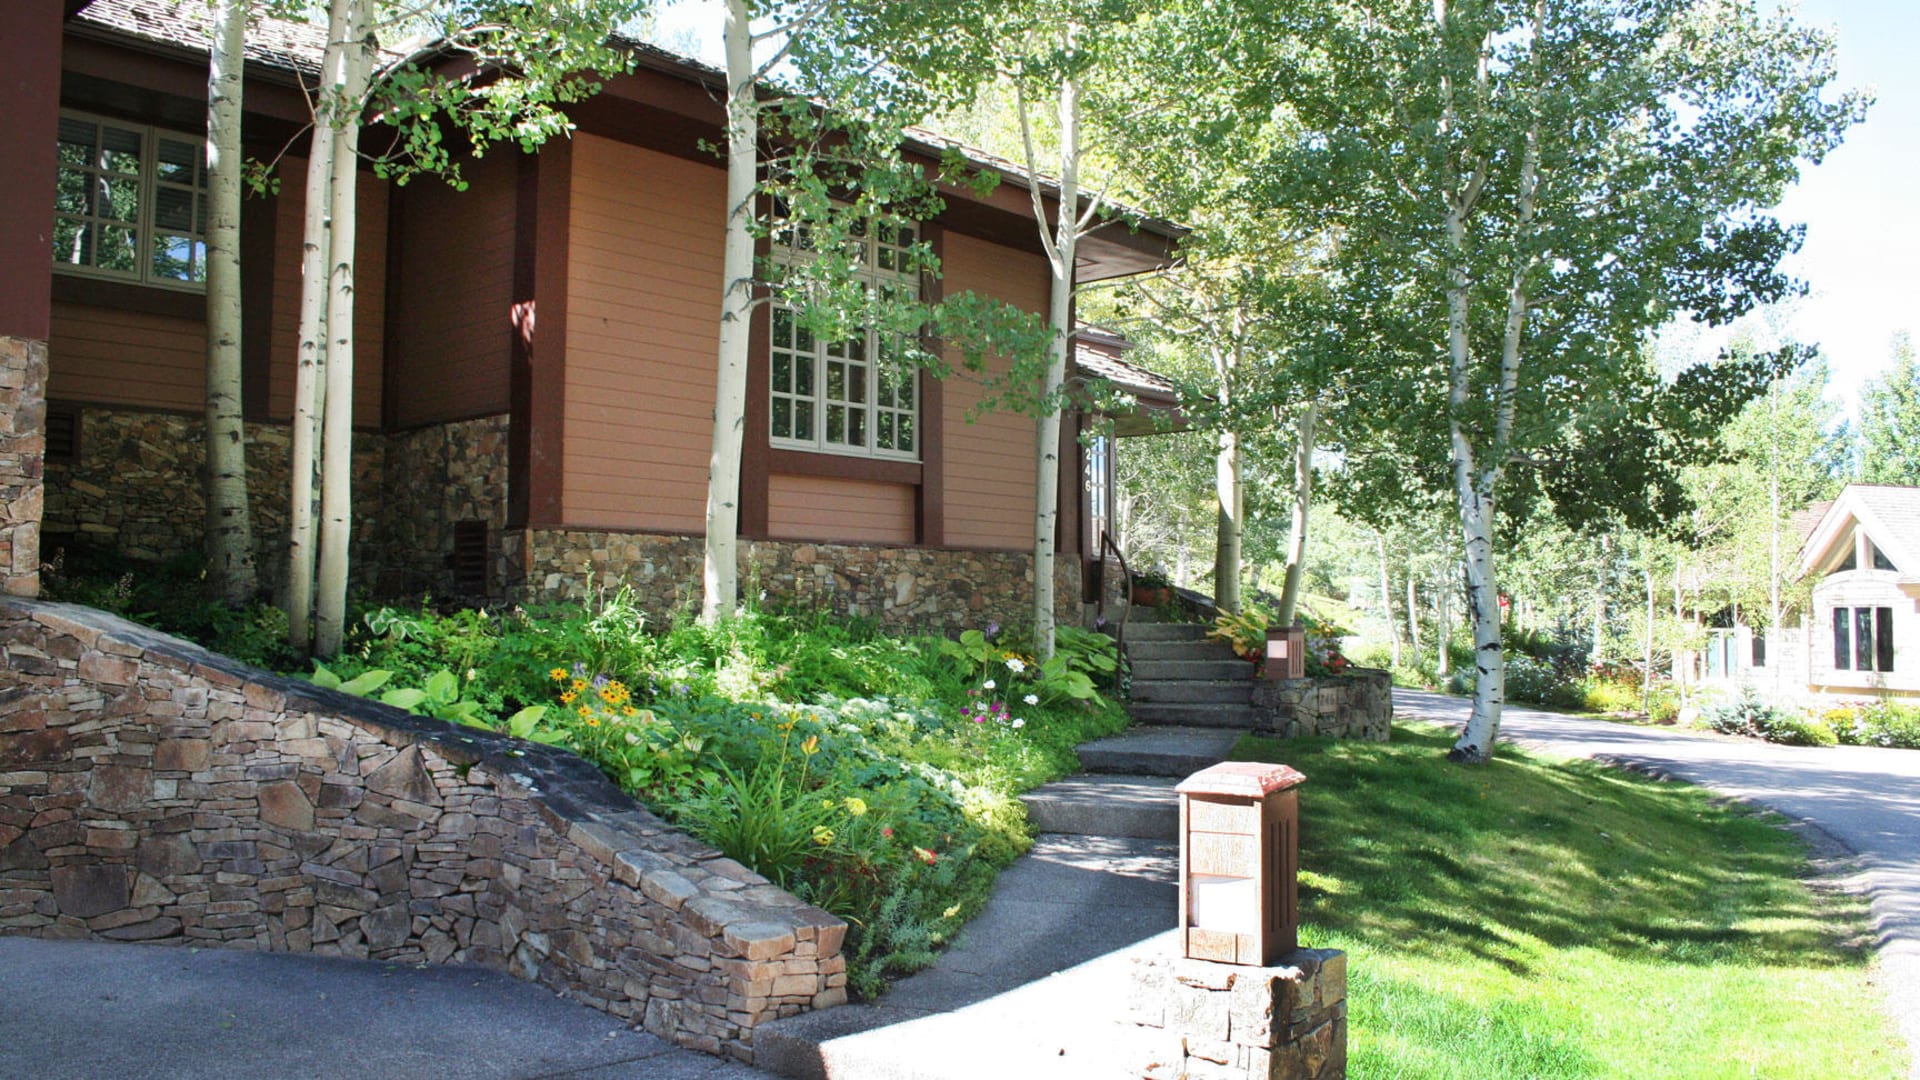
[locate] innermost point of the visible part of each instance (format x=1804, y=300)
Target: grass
x=1534, y=918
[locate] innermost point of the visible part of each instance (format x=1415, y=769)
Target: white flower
x=1032, y=699
x=988, y=685
x=1019, y=723
x=1016, y=665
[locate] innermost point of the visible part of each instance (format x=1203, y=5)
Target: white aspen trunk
x=1679, y=617
x=1060, y=307
x=1473, y=490
x=229, y=525
x=1229, y=527
x=336, y=450
x=1600, y=605
x=1443, y=610
x=1386, y=596
x=1308, y=429
x=1413, y=616
x=308, y=406
x=1646, y=679
x=720, y=585
x=1773, y=554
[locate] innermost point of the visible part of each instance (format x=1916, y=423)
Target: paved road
x=82, y=1010
x=1868, y=799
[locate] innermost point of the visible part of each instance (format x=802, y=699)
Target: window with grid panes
x=857, y=396
x=130, y=203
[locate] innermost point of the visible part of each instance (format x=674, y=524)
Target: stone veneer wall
x=436, y=476
x=137, y=486
x=1355, y=705
x=153, y=791
x=23, y=390
x=919, y=588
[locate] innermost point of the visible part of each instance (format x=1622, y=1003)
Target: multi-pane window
x=131, y=202
x=1863, y=639
x=860, y=395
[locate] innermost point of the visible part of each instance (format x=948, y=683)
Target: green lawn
x=1533, y=918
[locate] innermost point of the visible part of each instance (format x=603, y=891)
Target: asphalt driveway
x=1867, y=799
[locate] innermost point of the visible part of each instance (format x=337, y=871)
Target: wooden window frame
x=881, y=266
x=144, y=226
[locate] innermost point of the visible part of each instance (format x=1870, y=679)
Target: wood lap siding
x=990, y=462
x=108, y=357
x=819, y=508
x=453, y=320
x=369, y=294
x=643, y=292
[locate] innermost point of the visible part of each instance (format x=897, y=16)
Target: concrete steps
x=1191, y=669
x=1194, y=714
x=1193, y=691
x=1158, y=751
x=1141, y=807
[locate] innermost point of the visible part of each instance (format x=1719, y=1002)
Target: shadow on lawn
x=1511, y=861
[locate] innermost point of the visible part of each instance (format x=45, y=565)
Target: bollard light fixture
x=1239, y=860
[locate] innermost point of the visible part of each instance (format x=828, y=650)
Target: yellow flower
x=811, y=746
x=629, y=711
x=579, y=685
x=557, y=674
x=856, y=805
x=822, y=835
x=584, y=711
x=593, y=722
x=567, y=698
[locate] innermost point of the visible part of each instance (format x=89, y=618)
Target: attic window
x=1880, y=560
x=470, y=557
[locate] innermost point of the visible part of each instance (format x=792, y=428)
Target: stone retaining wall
x=1354, y=705
x=1212, y=1021
x=23, y=389
x=153, y=791
x=917, y=588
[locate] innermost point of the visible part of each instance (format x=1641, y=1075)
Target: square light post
x=1239, y=860
x=1286, y=652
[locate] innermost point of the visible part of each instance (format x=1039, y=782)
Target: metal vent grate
x=470, y=557
x=63, y=432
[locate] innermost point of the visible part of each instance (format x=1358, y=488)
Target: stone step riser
x=1193, y=691
x=1208, y=716
x=1138, y=632
x=1126, y=764
x=1205, y=670
x=1082, y=819
x=1147, y=651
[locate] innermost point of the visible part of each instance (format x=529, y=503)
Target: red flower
x=925, y=856
x=887, y=831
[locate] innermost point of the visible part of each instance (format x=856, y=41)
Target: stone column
x=1211, y=1021
x=30, y=84
x=23, y=413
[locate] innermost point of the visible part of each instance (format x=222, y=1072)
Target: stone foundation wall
x=23, y=410
x=153, y=791
x=437, y=476
x=928, y=589
x=1211, y=1021
x=1356, y=705
x=137, y=485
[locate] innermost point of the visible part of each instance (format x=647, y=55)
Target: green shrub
x=1881, y=723
x=1750, y=714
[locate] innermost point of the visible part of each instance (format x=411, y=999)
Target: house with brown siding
x=534, y=369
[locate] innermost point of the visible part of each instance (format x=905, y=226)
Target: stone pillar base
x=1209, y=1021
x=23, y=443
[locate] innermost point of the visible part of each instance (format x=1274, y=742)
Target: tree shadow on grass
x=1514, y=861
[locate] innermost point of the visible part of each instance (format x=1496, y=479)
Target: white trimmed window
x=858, y=396
x=131, y=203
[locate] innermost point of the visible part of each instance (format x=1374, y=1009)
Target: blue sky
x=1862, y=205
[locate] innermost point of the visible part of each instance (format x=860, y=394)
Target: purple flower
x=993, y=628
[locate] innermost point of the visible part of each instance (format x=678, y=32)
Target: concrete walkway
x=1867, y=799
x=81, y=1010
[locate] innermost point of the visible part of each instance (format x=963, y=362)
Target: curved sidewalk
x=1868, y=799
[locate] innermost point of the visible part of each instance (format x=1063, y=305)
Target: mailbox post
x=1239, y=860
